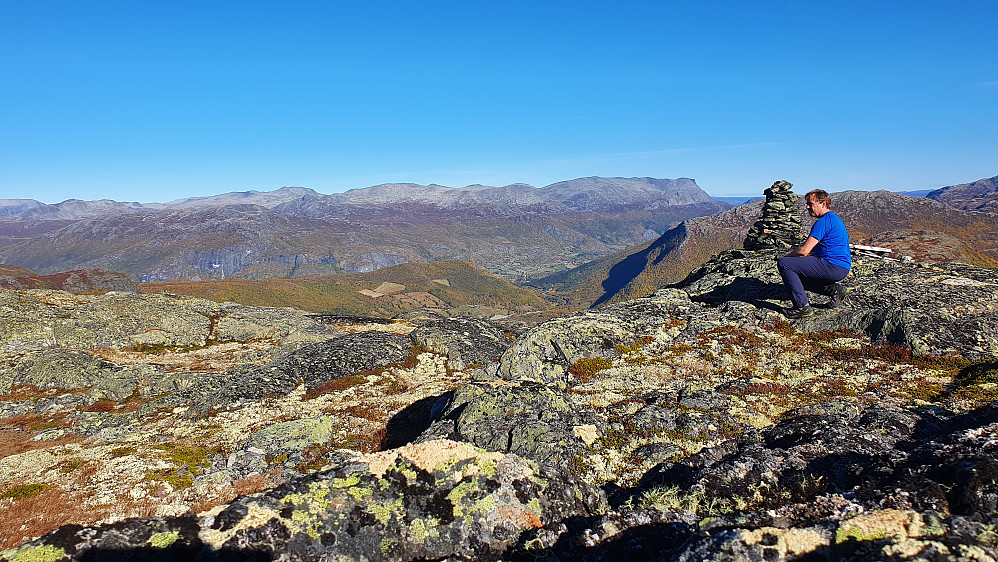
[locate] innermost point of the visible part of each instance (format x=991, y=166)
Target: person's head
x=818, y=202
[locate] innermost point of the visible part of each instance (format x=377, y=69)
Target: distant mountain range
x=75, y=209
x=517, y=230
x=585, y=240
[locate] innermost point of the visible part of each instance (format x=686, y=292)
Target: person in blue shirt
x=821, y=262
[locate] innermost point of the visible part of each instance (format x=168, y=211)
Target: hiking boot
x=839, y=295
x=795, y=313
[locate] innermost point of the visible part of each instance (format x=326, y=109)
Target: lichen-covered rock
x=80, y=280
x=312, y=364
x=434, y=500
x=465, y=341
x=694, y=423
x=291, y=436
x=157, y=539
x=527, y=419
x=830, y=482
x=56, y=368
x=883, y=535
x=547, y=353
x=38, y=319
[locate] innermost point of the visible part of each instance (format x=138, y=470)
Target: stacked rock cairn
x=780, y=225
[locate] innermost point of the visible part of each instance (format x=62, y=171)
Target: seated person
x=821, y=262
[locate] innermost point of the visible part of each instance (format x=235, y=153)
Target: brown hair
x=821, y=196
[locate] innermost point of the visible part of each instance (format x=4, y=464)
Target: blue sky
x=153, y=101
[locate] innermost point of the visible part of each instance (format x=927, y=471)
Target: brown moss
x=314, y=457
x=834, y=386
x=251, y=484
x=587, y=368
x=101, y=406
x=32, y=392
x=365, y=412
x=336, y=385
x=35, y=515
x=412, y=360
x=395, y=386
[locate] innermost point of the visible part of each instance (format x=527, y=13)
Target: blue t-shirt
x=833, y=241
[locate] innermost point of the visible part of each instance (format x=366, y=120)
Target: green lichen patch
x=24, y=491
x=69, y=465
x=194, y=457
x=638, y=344
x=347, y=482
x=163, y=540
x=43, y=553
x=163, y=348
x=977, y=382
x=124, y=451
x=177, y=479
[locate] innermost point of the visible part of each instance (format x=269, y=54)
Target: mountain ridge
x=517, y=231
x=980, y=195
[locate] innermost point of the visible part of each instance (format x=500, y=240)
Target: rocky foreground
x=692, y=424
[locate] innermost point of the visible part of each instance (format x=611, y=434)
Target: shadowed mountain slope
x=10, y=207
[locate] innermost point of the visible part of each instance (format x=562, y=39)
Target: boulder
x=465, y=341
x=311, y=365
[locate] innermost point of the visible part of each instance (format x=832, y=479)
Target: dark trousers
x=811, y=273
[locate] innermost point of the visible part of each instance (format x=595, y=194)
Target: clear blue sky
x=153, y=101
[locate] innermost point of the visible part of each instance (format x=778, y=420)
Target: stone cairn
x=780, y=225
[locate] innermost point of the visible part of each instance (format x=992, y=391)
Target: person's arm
x=804, y=250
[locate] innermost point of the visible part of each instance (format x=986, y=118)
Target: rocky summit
x=694, y=423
